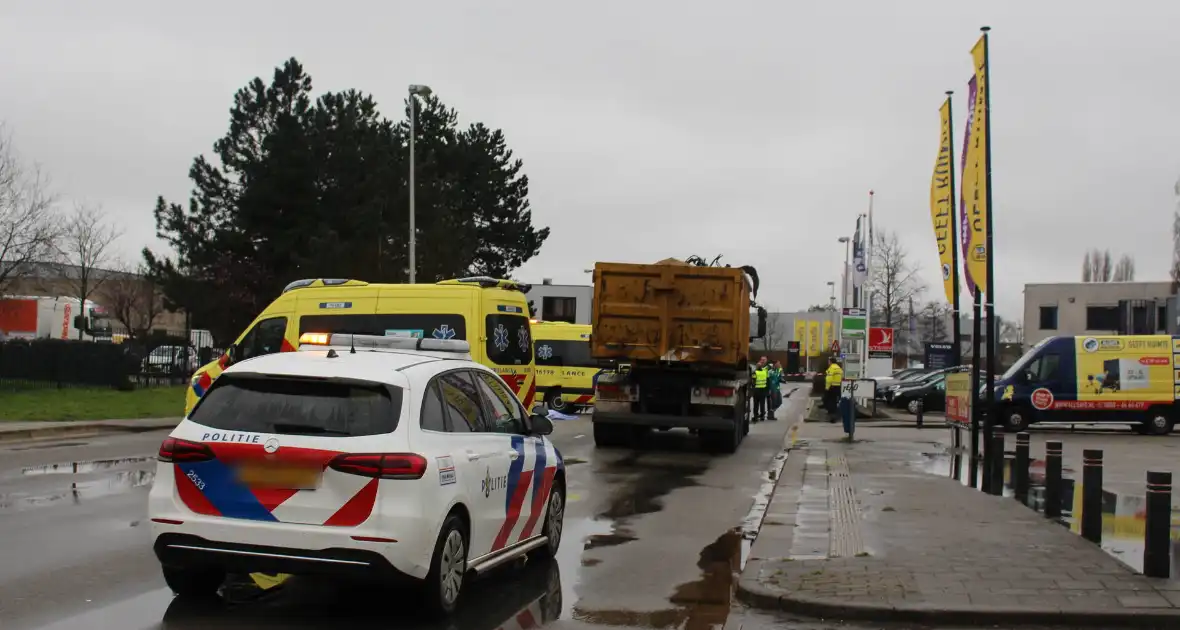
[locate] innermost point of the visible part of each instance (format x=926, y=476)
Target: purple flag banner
x=964, y=222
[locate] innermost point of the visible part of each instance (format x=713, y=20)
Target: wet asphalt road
x=651, y=540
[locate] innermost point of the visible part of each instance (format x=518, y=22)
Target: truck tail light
x=720, y=392
x=381, y=465
x=177, y=451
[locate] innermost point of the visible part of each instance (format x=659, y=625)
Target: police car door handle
x=472, y=456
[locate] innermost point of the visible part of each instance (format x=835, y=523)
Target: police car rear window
x=290, y=406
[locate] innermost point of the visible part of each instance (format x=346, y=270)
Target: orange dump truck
x=675, y=338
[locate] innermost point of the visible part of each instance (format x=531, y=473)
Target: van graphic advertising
x=1129, y=379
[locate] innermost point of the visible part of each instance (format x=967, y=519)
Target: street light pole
x=419, y=90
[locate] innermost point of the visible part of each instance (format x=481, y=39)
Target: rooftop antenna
x=352, y=344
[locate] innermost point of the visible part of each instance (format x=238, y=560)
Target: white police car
x=365, y=456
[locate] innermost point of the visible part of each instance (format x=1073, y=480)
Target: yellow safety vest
x=834, y=375
x=760, y=376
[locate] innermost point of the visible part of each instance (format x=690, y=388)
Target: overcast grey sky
x=654, y=129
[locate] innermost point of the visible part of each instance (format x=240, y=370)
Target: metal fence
x=119, y=361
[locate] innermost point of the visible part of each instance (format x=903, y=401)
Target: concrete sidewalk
x=13, y=431
x=868, y=531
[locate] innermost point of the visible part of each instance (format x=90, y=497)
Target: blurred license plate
x=295, y=478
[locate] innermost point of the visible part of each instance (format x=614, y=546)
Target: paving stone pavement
x=934, y=551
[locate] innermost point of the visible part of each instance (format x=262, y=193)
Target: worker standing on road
x=774, y=383
x=832, y=379
x=761, y=386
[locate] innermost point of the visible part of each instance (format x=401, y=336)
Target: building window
x=1161, y=319
x=559, y=309
x=1048, y=318
x=1102, y=318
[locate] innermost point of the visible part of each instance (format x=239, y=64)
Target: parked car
x=930, y=392
x=172, y=360
x=907, y=375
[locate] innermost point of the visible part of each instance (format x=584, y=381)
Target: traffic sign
x=835, y=346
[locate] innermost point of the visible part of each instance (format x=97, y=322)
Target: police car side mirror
x=540, y=425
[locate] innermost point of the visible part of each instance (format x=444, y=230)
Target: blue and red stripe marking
x=212, y=488
x=518, y=485
x=540, y=489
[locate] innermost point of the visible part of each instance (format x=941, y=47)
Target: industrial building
x=1098, y=308
x=561, y=302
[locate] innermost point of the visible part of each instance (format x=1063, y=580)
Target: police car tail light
x=381, y=465
x=176, y=451
x=315, y=339
x=720, y=392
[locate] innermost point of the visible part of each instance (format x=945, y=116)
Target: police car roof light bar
x=316, y=341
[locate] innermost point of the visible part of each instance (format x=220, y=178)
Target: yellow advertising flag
x=975, y=173
x=813, y=338
x=942, y=206
x=801, y=336
x=827, y=342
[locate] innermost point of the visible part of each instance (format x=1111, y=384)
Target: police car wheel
x=448, y=567
x=554, y=519
x=192, y=581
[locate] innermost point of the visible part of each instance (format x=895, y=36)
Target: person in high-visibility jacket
x=832, y=379
x=761, y=388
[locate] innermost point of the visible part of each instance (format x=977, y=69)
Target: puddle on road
x=701, y=604
x=80, y=481
x=643, y=493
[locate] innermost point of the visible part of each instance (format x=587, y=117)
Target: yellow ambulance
x=491, y=314
x=565, y=371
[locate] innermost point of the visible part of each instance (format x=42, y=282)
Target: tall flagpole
x=990, y=292
x=866, y=291
x=950, y=118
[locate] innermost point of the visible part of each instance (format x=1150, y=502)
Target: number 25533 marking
x=195, y=479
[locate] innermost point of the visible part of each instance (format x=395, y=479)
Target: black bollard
x=918, y=415
x=997, y=472
x=1020, y=473
x=1157, y=562
x=1053, y=479
x=1092, y=495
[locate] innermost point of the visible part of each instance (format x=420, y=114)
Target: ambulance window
x=563, y=353
x=463, y=402
x=509, y=341
x=266, y=337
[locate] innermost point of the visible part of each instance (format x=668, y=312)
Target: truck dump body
x=671, y=312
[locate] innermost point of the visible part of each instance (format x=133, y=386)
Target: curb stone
x=74, y=429
x=754, y=593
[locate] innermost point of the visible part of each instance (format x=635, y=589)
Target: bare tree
x=133, y=300
x=28, y=218
x=1124, y=269
x=1176, y=240
x=895, y=282
x=1010, y=331
x=1098, y=266
x=775, y=331
x=935, y=318
x=86, y=253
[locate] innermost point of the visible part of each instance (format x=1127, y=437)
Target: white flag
x=860, y=270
